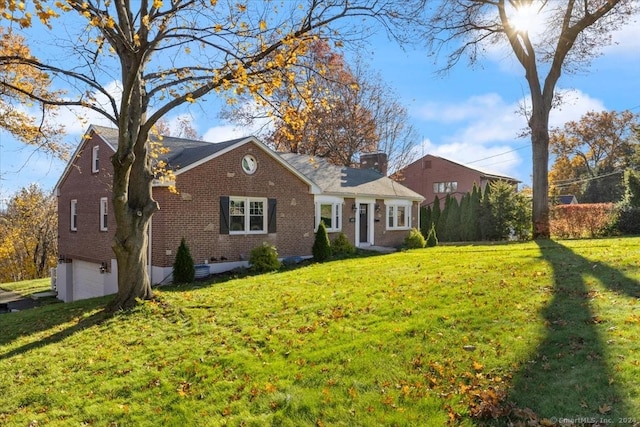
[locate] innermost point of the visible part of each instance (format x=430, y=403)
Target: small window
x=247, y=215
x=249, y=164
x=104, y=203
x=74, y=215
x=95, y=160
x=398, y=216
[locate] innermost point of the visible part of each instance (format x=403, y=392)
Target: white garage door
x=87, y=280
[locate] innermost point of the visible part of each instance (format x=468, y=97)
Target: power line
x=499, y=154
x=562, y=183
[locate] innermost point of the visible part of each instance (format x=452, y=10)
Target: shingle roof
x=331, y=179
x=181, y=152
x=483, y=173
x=341, y=180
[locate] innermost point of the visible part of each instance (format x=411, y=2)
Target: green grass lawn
x=28, y=287
x=530, y=332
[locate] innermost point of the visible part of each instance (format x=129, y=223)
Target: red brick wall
x=88, y=242
x=421, y=174
x=194, y=213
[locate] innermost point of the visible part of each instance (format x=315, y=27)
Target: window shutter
x=271, y=228
x=224, y=215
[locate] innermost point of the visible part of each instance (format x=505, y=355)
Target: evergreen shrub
x=264, y=258
x=321, y=249
x=414, y=240
x=341, y=247
x=184, y=270
x=432, y=239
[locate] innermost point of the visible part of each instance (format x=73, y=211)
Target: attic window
x=95, y=159
x=249, y=164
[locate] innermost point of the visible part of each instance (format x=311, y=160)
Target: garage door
x=87, y=280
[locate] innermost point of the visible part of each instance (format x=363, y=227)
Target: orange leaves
x=20, y=78
x=477, y=366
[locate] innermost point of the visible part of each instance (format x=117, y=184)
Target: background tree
x=182, y=127
x=167, y=54
x=592, y=154
x=574, y=32
x=28, y=235
x=35, y=129
x=340, y=111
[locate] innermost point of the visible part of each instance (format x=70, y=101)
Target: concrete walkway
x=12, y=301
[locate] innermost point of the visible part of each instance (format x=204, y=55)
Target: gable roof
x=482, y=173
x=346, y=181
x=182, y=153
x=185, y=154
x=567, y=199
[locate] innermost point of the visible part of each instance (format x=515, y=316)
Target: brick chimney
x=377, y=161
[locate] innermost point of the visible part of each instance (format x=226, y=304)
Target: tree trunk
x=540, y=156
x=131, y=255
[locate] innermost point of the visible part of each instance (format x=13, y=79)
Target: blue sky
x=469, y=115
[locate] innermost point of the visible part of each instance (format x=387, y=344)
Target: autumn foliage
x=28, y=235
x=16, y=81
x=581, y=220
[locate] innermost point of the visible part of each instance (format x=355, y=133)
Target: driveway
x=11, y=301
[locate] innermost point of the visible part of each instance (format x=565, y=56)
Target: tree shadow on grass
x=569, y=376
x=49, y=318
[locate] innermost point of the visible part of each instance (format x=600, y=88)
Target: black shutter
x=224, y=215
x=271, y=228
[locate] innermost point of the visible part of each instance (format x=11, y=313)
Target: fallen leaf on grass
x=604, y=408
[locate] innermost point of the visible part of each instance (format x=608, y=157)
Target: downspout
x=149, y=250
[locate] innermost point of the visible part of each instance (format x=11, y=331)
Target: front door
x=364, y=223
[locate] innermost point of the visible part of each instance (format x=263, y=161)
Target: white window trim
x=336, y=212
x=95, y=160
x=104, y=206
x=392, y=206
x=247, y=219
x=73, y=219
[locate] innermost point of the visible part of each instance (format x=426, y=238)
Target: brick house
x=232, y=196
x=433, y=176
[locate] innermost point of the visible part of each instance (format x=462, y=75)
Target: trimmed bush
x=414, y=240
x=321, y=249
x=184, y=270
x=264, y=258
x=582, y=220
x=432, y=239
x=341, y=247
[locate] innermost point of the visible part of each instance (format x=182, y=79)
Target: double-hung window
x=74, y=215
x=104, y=204
x=247, y=215
x=329, y=211
x=398, y=215
x=95, y=159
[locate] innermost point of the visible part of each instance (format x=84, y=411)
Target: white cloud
x=575, y=104
x=77, y=119
x=482, y=131
x=626, y=41
x=224, y=133
x=456, y=112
